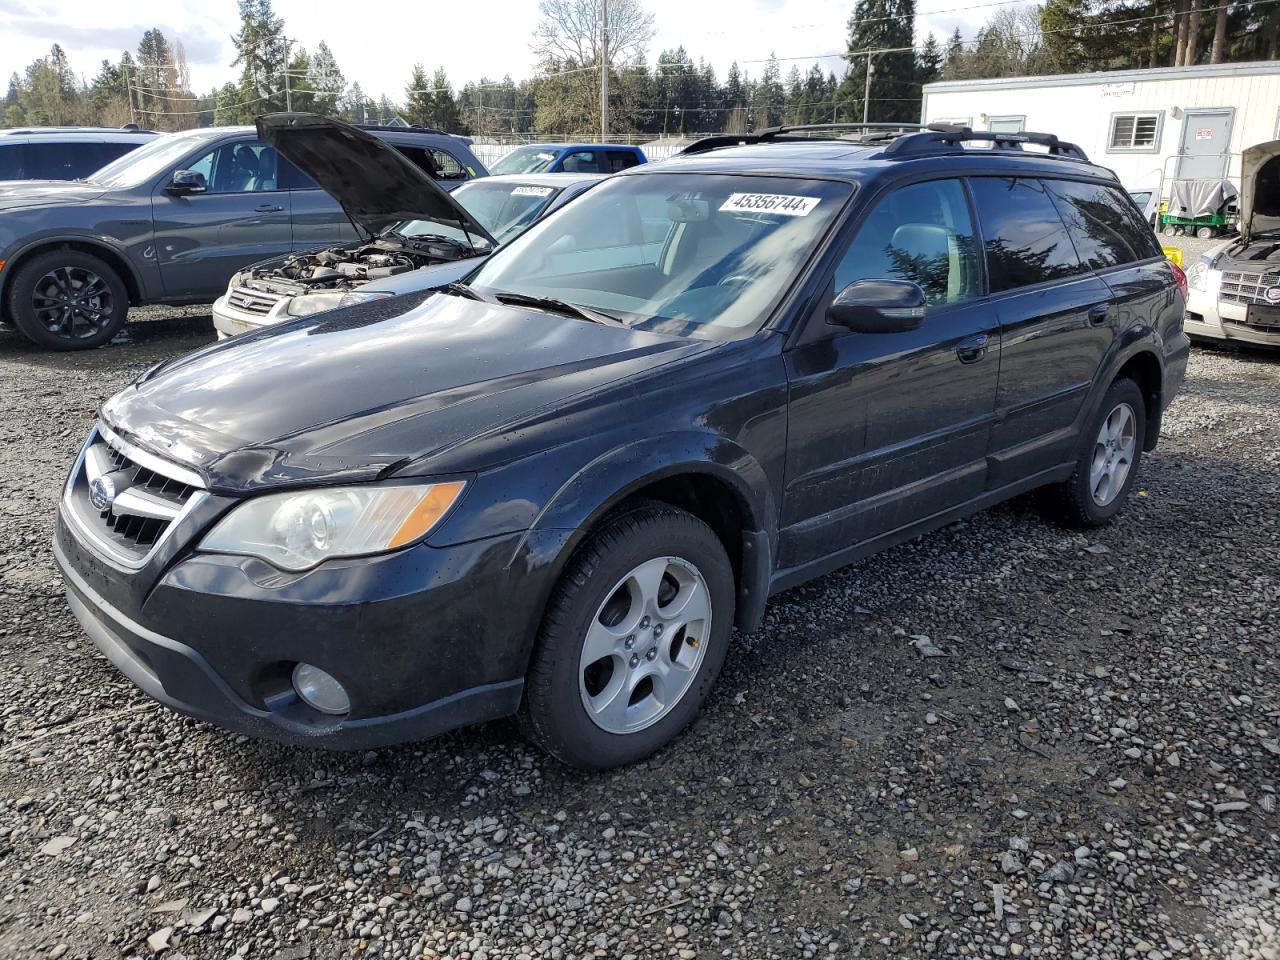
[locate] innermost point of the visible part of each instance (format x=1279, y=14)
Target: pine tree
x=419, y=104
x=930, y=61
x=894, y=95
x=444, y=107
x=301, y=93
x=261, y=54
x=326, y=80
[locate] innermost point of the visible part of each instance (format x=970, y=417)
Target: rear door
x=1057, y=322
x=318, y=219
x=243, y=217
x=889, y=429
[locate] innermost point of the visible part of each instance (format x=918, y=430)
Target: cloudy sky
x=379, y=50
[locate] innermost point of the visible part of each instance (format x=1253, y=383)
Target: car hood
x=352, y=395
x=375, y=183
x=1260, y=189
x=27, y=193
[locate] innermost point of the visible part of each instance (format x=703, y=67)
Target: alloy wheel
x=72, y=302
x=1113, y=453
x=644, y=645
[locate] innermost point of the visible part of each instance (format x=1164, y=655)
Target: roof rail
x=942, y=136
x=408, y=128
x=871, y=132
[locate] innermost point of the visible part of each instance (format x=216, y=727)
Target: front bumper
x=425, y=640
x=229, y=321
x=1210, y=317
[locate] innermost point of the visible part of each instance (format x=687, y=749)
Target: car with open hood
x=553, y=489
x=444, y=238
x=169, y=222
x=1235, y=285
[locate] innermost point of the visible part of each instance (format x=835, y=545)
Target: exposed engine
x=343, y=268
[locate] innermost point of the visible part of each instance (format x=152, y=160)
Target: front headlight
x=1198, y=275
x=363, y=296
x=306, y=304
x=237, y=279
x=295, y=531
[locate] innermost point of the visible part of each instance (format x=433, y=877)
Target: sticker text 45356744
x=789, y=206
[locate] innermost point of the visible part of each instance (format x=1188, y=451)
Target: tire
x=1075, y=501
x=68, y=300
x=1170, y=231
x=597, y=713
x=1204, y=233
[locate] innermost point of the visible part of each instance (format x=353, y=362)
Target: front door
x=242, y=217
x=1206, y=144
x=889, y=429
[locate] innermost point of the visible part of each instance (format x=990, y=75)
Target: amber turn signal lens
x=433, y=505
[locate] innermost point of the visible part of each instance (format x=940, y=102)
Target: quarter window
x=1134, y=131
x=1101, y=224
x=1025, y=239
x=921, y=233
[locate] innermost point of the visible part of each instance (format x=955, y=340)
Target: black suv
x=553, y=489
x=170, y=222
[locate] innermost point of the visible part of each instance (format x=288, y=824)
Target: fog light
x=320, y=690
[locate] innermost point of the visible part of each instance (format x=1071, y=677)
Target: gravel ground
x=1086, y=767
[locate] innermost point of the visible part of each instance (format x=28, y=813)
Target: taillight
x=1180, y=278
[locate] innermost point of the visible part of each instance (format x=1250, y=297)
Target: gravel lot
x=1088, y=769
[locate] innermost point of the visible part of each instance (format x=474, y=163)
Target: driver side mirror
x=187, y=182
x=878, y=306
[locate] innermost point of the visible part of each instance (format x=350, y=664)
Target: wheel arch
x=96, y=248
x=716, y=481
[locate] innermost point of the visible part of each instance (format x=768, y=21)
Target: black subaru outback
x=553, y=489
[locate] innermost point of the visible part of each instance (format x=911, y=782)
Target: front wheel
x=1108, y=463
x=68, y=300
x=632, y=641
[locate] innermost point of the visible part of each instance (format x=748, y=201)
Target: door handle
x=1098, y=314
x=268, y=208
x=972, y=349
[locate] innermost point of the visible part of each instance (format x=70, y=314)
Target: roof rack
x=409, y=127
x=951, y=136
x=903, y=139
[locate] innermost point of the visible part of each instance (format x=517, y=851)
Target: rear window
x=1024, y=238
x=1101, y=223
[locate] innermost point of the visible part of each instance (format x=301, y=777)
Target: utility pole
x=288, y=91
x=604, y=71
x=866, y=92
x=128, y=90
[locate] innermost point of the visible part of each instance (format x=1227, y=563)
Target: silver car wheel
x=645, y=645
x=1113, y=453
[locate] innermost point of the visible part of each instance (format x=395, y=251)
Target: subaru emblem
x=102, y=493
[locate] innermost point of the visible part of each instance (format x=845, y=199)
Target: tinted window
x=621, y=159
x=1025, y=239
x=12, y=166
x=52, y=161
x=921, y=233
x=244, y=167
x=1100, y=224
x=291, y=178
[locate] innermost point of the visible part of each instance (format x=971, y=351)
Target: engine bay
x=350, y=266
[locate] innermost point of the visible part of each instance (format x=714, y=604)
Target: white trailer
x=1149, y=126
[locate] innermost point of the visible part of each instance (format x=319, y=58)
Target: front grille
x=138, y=502
x=1244, y=287
x=252, y=301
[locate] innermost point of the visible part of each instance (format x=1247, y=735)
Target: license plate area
x=1262, y=315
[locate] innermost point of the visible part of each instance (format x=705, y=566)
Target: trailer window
x=1134, y=131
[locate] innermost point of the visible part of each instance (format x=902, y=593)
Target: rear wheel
x=632, y=640
x=68, y=300
x=1108, y=464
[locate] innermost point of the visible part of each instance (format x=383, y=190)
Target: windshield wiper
x=558, y=306
x=456, y=289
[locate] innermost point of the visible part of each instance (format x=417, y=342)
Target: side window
x=51, y=161
x=1025, y=239
x=12, y=164
x=1097, y=220
x=621, y=160
x=449, y=168
x=582, y=161
x=245, y=167
x=291, y=178
x=921, y=233
x=107, y=152
x=421, y=159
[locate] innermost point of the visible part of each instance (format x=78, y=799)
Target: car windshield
x=505, y=209
x=524, y=160
x=696, y=255
x=148, y=161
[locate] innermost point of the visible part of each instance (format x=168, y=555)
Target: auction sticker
x=531, y=192
x=789, y=206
